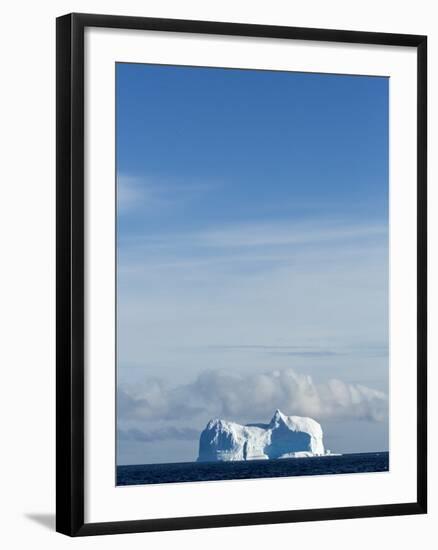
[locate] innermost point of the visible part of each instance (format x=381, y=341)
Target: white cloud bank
x=249, y=398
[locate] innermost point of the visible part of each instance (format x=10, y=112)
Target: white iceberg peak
x=278, y=417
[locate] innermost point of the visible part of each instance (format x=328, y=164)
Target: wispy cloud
x=295, y=351
x=134, y=193
x=314, y=353
x=282, y=234
x=178, y=289
x=149, y=194
x=253, y=249
x=266, y=236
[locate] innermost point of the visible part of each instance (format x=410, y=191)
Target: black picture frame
x=70, y=273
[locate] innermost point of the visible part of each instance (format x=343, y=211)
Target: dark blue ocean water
x=214, y=471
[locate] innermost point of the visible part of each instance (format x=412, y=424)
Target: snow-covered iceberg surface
x=284, y=437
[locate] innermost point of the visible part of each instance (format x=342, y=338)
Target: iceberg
x=284, y=437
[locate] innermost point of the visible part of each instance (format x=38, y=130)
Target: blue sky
x=252, y=252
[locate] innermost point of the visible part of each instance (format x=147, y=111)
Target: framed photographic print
x=241, y=274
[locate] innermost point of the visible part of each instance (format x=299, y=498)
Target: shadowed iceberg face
x=284, y=441
x=284, y=437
